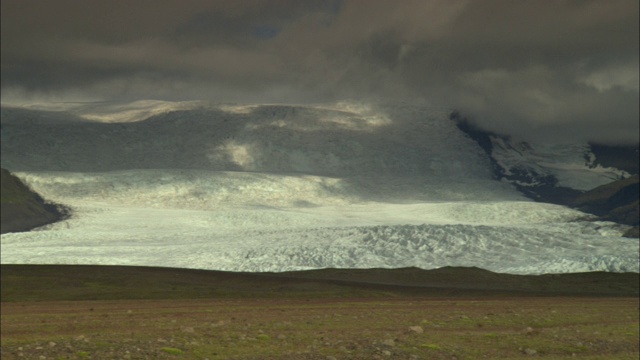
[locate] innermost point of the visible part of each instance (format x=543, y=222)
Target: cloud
x=624, y=77
x=552, y=69
x=538, y=102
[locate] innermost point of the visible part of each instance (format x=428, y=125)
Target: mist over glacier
x=285, y=187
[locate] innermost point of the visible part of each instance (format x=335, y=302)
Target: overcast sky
x=557, y=69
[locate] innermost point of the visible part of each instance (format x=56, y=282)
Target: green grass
x=171, y=351
x=75, y=282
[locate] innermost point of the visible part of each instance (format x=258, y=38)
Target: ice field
x=276, y=188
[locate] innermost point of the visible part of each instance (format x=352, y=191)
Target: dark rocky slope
x=23, y=209
x=616, y=201
x=539, y=187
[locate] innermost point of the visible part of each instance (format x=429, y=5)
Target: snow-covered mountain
x=551, y=172
x=285, y=187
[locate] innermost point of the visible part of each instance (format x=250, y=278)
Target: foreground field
x=289, y=317
x=395, y=328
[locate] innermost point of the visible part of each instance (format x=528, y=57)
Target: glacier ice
x=280, y=187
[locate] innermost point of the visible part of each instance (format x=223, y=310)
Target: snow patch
x=570, y=164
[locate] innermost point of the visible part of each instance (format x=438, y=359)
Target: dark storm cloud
x=545, y=68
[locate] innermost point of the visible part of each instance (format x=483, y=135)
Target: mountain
x=273, y=187
x=616, y=201
x=23, y=209
x=621, y=157
x=594, y=178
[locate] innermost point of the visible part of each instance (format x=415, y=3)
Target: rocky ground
x=84, y=312
x=390, y=328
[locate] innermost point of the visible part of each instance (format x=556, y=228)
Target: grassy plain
x=92, y=312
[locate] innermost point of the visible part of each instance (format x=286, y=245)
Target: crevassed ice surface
x=276, y=188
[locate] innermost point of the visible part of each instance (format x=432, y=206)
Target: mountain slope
x=339, y=141
x=616, y=201
x=598, y=179
x=23, y=209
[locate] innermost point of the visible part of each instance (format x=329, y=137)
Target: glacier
x=276, y=187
